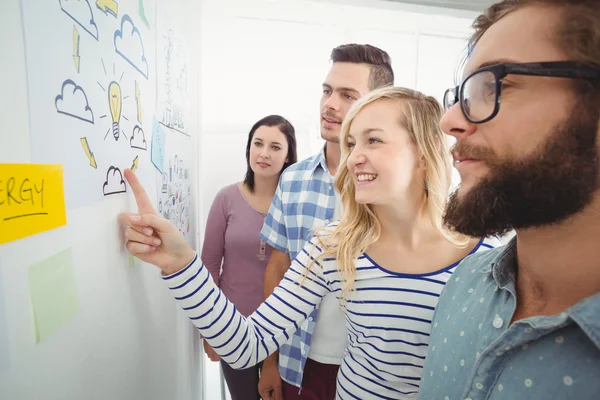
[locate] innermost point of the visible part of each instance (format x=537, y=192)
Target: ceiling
x=472, y=5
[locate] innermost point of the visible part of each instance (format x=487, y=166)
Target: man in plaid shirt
x=305, y=199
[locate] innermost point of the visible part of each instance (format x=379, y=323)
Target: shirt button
x=326, y=221
x=498, y=322
x=303, y=351
x=310, y=318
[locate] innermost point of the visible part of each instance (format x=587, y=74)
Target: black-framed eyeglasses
x=479, y=93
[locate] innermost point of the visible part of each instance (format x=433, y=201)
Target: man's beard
x=545, y=188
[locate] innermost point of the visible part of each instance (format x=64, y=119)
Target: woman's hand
x=210, y=352
x=152, y=238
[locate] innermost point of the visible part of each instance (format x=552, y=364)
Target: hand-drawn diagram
x=89, y=119
x=88, y=152
x=114, y=183
x=173, y=89
x=138, y=140
x=170, y=134
x=114, y=102
x=157, y=153
x=73, y=101
x=128, y=44
x=175, y=193
x=81, y=12
x=76, y=57
x=137, y=101
x=135, y=163
x=108, y=7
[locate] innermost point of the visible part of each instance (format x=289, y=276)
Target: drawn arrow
x=90, y=155
x=135, y=164
x=76, y=57
x=137, y=99
x=108, y=7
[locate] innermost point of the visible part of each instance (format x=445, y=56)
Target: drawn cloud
x=73, y=101
x=81, y=12
x=138, y=140
x=114, y=182
x=129, y=45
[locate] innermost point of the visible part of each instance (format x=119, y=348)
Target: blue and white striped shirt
x=304, y=200
x=388, y=319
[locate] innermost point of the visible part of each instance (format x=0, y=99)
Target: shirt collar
x=585, y=314
x=319, y=161
x=503, y=266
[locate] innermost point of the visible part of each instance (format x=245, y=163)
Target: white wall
x=129, y=339
x=263, y=57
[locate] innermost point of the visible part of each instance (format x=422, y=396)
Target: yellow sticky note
x=32, y=200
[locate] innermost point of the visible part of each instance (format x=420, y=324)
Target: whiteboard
x=79, y=318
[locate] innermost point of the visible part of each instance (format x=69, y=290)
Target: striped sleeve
x=244, y=342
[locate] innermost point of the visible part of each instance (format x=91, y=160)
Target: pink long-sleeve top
x=233, y=252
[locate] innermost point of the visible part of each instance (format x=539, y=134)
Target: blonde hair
x=359, y=227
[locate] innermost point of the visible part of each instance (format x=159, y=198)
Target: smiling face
x=345, y=83
x=384, y=162
x=536, y=161
x=268, y=151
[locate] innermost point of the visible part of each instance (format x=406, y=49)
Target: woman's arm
x=241, y=342
x=213, y=247
x=244, y=342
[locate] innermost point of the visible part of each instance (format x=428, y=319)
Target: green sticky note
x=54, y=297
x=133, y=261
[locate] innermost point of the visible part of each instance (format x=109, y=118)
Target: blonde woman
x=387, y=260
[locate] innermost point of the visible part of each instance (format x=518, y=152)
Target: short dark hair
x=577, y=33
x=378, y=60
x=290, y=136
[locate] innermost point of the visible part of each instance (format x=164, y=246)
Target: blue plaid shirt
x=304, y=200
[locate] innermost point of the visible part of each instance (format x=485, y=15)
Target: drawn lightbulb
x=114, y=103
